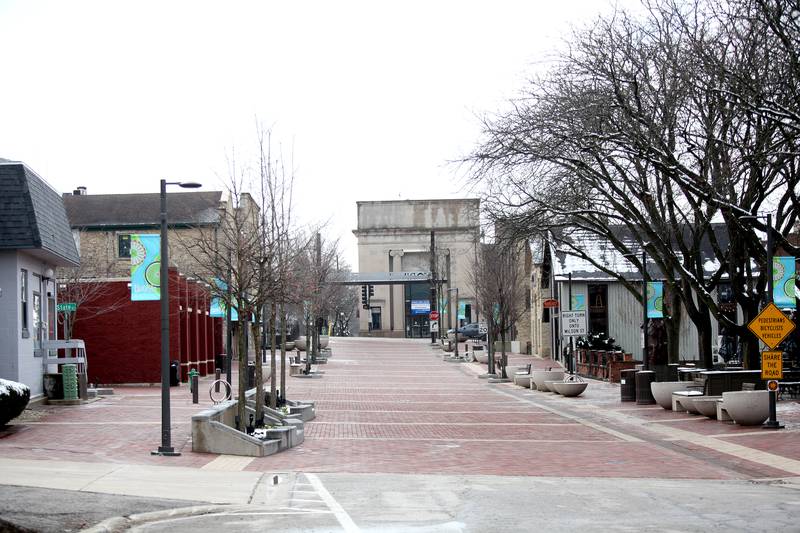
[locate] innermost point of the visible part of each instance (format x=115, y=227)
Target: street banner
x=462, y=310
x=145, y=267
x=578, y=302
x=218, y=305
x=655, y=299
x=783, y=281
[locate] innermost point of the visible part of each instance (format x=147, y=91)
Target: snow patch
x=7, y=386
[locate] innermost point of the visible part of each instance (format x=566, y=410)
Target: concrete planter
x=481, y=356
x=747, y=408
x=523, y=379
x=324, y=340
x=707, y=405
x=662, y=391
x=300, y=343
x=540, y=376
x=550, y=385
x=686, y=403
x=570, y=388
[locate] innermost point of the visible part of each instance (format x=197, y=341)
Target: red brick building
x=124, y=345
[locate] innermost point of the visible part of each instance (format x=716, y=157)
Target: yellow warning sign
x=771, y=365
x=771, y=325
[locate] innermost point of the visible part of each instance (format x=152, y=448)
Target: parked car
x=468, y=331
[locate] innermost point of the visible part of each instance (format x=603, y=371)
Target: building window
x=124, y=246
x=23, y=299
x=37, y=320
x=546, y=314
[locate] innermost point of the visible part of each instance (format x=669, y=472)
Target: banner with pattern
x=783, y=281
x=578, y=302
x=655, y=299
x=218, y=305
x=145, y=267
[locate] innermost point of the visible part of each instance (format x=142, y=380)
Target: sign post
x=771, y=326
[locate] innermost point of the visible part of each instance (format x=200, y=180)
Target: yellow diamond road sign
x=771, y=325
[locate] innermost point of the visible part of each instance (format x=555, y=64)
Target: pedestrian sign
x=771, y=326
x=771, y=365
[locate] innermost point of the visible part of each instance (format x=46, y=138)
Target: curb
x=123, y=523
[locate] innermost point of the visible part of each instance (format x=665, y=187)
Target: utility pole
x=433, y=286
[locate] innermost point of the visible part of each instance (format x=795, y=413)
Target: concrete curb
x=122, y=523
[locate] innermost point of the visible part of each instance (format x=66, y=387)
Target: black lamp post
x=645, y=320
x=166, y=433
x=772, y=423
x=455, y=334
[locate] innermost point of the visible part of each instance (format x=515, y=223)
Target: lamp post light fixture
x=166, y=431
x=455, y=333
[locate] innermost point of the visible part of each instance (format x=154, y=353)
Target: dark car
x=468, y=331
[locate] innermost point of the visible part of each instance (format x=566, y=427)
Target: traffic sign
x=434, y=315
x=573, y=323
x=771, y=365
x=772, y=385
x=434, y=327
x=550, y=303
x=483, y=328
x=771, y=325
x=66, y=306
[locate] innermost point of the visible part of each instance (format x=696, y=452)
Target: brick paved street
x=393, y=406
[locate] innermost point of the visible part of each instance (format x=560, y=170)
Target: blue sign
x=145, y=267
x=655, y=299
x=420, y=307
x=783, y=282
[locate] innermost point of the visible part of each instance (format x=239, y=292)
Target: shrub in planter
x=14, y=398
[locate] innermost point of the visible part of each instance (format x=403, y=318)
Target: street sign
x=550, y=303
x=772, y=386
x=573, y=323
x=771, y=326
x=434, y=327
x=483, y=328
x=66, y=306
x=434, y=315
x=771, y=365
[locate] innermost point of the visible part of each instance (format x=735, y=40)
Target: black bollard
x=217, y=374
x=195, y=391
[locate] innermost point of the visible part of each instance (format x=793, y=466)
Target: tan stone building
x=395, y=236
x=103, y=223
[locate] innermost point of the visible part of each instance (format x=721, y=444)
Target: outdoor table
x=719, y=381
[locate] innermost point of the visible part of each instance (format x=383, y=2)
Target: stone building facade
x=395, y=236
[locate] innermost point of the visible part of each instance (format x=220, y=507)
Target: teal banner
x=783, y=282
x=218, y=305
x=655, y=299
x=578, y=302
x=145, y=267
x=462, y=310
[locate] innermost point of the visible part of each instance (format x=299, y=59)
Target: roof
x=96, y=211
x=602, y=251
x=33, y=216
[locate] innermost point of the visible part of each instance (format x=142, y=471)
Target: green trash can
x=70, y=380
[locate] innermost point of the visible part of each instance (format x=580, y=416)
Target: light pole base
x=499, y=380
x=487, y=376
x=773, y=424
x=167, y=452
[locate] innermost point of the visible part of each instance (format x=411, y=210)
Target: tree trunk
x=673, y=327
x=273, y=400
x=283, y=351
x=240, y=411
x=257, y=344
x=503, y=356
x=704, y=340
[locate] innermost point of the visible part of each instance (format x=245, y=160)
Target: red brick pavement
x=394, y=406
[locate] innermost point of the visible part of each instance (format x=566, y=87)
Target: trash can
x=644, y=395
x=174, y=373
x=627, y=385
x=251, y=375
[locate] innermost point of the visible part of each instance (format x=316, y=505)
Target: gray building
x=394, y=236
x=35, y=239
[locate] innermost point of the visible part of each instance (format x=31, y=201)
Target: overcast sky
x=374, y=97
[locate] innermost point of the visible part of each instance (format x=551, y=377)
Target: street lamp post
x=166, y=431
x=645, y=320
x=455, y=334
x=772, y=423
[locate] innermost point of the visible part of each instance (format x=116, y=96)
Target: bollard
x=194, y=378
x=192, y=374
x=217, y=374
